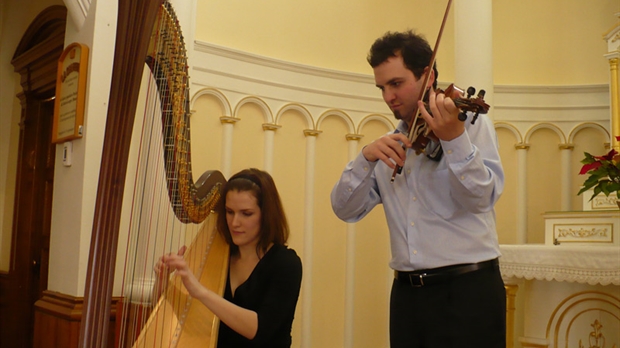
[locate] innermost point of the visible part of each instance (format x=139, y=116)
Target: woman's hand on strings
x=177, y=263
x=444, y=121
x=162, y=271
x=163, y=274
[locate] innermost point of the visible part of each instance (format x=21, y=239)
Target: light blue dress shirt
x=438, y=213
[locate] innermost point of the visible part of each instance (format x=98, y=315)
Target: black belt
x=438, y=275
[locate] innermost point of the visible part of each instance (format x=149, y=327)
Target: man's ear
x=431, y=78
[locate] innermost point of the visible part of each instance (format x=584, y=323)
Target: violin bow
x=411, y=133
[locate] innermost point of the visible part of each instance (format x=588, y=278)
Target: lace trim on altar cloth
x=580, y=264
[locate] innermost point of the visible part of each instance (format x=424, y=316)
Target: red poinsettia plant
x=604, y=173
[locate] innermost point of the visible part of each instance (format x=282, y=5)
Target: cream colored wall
x=551, y=42
x=323, y=33
x=544, y=131
x=534, y=42
x=329, y=34
x=506, y=219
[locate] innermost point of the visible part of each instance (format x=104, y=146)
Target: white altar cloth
x=581, y=264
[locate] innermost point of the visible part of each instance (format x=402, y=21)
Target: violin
x=419, y=134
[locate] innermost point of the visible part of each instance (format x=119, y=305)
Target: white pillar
x=522, y=193
x=349, y=305
x=473, y=40
x=614, y=90
x=270, y=131
x=306, y=301
x=613, y=56
x=566, y=195
x=227, y=141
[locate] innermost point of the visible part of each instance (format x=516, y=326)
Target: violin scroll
x=420, y=134
x=466, y=104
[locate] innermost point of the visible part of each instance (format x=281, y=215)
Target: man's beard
x=407, y=117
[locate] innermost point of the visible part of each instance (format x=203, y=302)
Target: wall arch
x=585, y=125
x=512, y=129
x=375, y=117
x=299, y=108
x=337, y=113
x=256, y=101
x=545, y=125
x=224, y=103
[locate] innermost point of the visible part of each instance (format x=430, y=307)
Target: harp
x=148, y=33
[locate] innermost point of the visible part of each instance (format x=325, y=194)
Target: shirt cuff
x=459, y=149
x=361, y=167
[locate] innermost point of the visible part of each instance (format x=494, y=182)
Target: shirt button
x=349, y=189
x=462, y=177
x=415, y=199
x=408, y=171
x=365, y=169
x=412, y=223
x=449, y=152
x=415, y=252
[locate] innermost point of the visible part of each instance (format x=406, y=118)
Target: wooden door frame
x=36, y=60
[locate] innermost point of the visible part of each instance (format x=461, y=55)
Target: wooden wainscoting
x=57, y=319
x=4, y=309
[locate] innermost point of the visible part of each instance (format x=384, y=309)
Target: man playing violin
x=447, y=289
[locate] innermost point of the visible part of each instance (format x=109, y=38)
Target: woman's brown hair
x=274, y=226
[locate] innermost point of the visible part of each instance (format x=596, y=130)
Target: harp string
x=150, y=234
x=153, y=228
x=167, y=207
x=176, y=150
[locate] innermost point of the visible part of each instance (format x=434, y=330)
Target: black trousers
x=468, y=310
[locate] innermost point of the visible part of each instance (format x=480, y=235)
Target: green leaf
x=588, y=159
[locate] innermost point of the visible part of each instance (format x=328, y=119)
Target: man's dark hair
x=414, y=49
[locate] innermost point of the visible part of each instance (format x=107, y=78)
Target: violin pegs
x=473, y=120
x=481, y=94
x=470, y=91
x=462, y=116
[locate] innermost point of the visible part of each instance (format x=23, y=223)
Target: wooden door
x=36, y=60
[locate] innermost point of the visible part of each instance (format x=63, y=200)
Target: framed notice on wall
x=70, y=93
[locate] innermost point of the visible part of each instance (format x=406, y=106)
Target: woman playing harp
x=264, y=276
